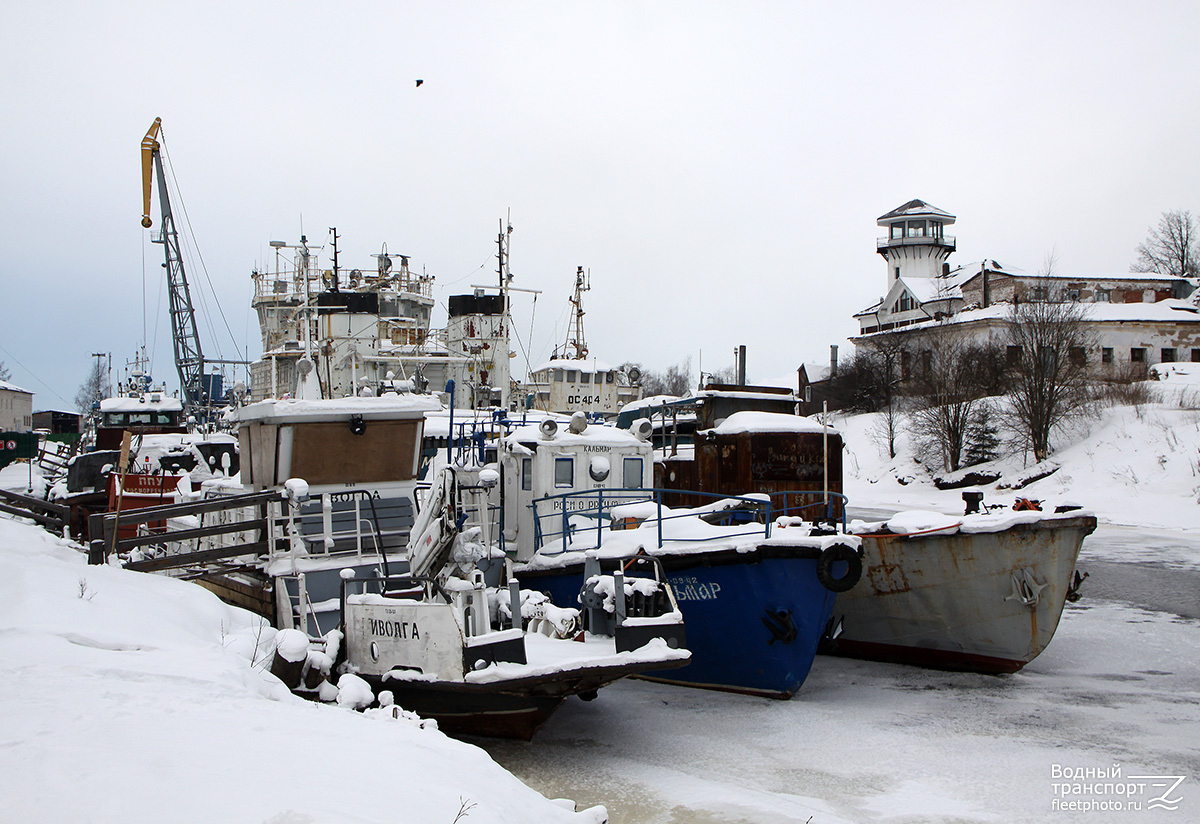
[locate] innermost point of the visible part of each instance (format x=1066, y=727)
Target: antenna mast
x=575, y=338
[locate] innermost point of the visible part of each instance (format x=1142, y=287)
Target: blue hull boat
x=754, y=618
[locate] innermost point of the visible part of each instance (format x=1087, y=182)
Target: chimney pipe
x=741, y=368
x=833, y=362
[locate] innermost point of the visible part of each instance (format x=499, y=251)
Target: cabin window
x=564, y=473
x=1106, y=354
x=527, y=474
x=558, y=375
x=1137, y=355
x=611, y=377
x=1168, y=355
x=631, y=473
x=570, y=376
x=898, y=230
x=916, y=228
x=585, y=377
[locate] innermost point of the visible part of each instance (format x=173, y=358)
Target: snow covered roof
x=654, y=401
x=967, y=271
x=583, y=365
x=370, y=408
x=750, y=421
x=915, y=208
x=929, y=289
x=12, y=387
x=1163, y=311
x=594, y=435
x=152, y=400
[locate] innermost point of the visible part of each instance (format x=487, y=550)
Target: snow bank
x=129, y=697
x=1130, y=465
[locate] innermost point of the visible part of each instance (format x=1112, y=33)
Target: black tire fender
x=832, y=555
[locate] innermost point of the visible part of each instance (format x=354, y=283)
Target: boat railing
x=557, y=517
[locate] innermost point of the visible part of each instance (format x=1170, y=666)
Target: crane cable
x=203, y=267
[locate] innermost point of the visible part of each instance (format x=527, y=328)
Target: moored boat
x=981, y=592
x=387, y=596
x=756, y=585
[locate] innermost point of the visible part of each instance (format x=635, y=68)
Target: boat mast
x=575, y=338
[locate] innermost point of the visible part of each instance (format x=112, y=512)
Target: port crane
x=199, y=390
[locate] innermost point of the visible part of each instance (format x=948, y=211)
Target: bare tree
x=947, y=397
x=1049, y=381
x=1173, y=248
x=888, y=352
x=4, y=373
x=93, y=389
x=677, y=380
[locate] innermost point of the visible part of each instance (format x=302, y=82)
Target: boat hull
x=754, y=619
x=983, y=601
x=516, y=708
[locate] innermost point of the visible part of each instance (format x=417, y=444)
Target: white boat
x=417, y=604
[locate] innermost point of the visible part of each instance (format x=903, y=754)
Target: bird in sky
x=419, y=82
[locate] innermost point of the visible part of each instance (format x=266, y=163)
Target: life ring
x=825, y=565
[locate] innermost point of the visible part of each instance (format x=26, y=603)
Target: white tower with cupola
x=916, y=245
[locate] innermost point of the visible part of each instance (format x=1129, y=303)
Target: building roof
x=1163, y=311
x=917, y=207
x=585, y=365
x=969, y=270
x=12, y=387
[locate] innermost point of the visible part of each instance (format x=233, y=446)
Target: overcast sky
x=718, y=167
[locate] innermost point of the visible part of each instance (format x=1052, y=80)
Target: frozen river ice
x=871, y=742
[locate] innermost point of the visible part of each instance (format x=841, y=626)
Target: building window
x=1038, y=293
x=906, y=302
x=1071, y=295
x=935, y=227
x=564, y=473
x=916, y=228
x=631, y=473
x=1078, y=356
x=527, y=474
x=896, y=273
x=1101, y=296
x=1196, y=356
x=1106, y=355
x=1168, y=355
x=1012, y=355
x=897, y=231
x=1137, y=355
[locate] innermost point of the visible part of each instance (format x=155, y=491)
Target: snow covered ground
x=136, y=697
x=139, y=698
x=1136, y=466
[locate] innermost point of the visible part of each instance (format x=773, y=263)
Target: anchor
x=1026, y=589
x=781, y=626
x=1073, y=593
